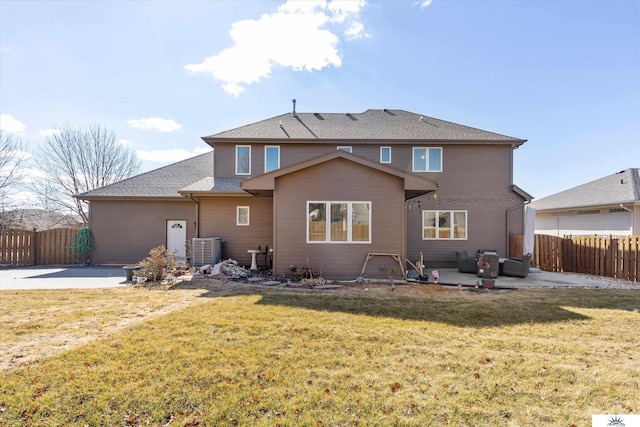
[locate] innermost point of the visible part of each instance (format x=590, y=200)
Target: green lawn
x=419, y=356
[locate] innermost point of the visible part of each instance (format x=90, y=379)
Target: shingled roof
x=164, y=182
x=372, y=125
x=621, y=187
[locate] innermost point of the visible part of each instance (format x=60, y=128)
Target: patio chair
x=516, y=267
x=466, y=264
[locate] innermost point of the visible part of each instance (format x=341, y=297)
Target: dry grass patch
x=269, y=357
x=36, y=324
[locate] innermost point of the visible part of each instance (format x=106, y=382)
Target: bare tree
x=11, y=159
x=77, y=160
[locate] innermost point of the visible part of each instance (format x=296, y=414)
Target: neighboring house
x=606, y=206
x=323, y=189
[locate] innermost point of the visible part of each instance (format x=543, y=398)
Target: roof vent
x=294, y=114
x=421, y=119
x=280, y=124
x=385, y=110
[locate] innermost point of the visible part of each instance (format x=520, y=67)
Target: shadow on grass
x=453, y=312
x=462, y=309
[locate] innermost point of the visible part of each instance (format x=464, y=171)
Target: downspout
x=197, y=224
x=632, y=217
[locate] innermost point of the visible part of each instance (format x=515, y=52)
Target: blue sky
x=565, y=75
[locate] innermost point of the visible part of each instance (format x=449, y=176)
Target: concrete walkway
x=61, y=277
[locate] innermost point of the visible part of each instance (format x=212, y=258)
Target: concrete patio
x=535, y=279
x=78, y=277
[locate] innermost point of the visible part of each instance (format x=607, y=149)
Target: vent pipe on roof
x=294, y=114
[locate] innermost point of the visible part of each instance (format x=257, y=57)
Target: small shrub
x=156, y=265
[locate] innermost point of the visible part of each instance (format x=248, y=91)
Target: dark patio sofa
x=466, y=264
x=516, y=267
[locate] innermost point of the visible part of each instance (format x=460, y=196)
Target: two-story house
x=325, y=189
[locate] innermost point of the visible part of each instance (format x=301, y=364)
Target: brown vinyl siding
x=125, y=231
x=475, y=179
x=337, y=180
x=471, y=172
x=218, y=219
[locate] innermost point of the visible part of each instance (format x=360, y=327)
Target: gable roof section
x=372, y=125
x=622, y=187
x=164, y=182
x=414, y=185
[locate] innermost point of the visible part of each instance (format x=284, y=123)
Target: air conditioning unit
x=206, y=250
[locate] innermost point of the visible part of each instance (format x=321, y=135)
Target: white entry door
x=176, y=238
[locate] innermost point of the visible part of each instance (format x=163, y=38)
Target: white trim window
x=242, y=215
x=385, y=154
x=243, y=160
x=271, y=158
x=338, y=222
x=345, y=148
x=444, y=225
x=427, y=159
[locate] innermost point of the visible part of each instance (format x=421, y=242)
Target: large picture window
x=243, y=160
x=338, y=222
x=271, y=158
x=444, y=225
x=427, y=159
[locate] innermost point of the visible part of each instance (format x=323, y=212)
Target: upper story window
x=344, y=148
x=338, y=222
x=271, y=158
x=385, y=154
x=444, y=225
x=243, y=160
x=427, y=159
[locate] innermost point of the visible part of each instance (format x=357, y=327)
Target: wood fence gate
x=22, y=248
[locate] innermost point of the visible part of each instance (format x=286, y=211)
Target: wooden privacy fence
x=617, y=257
x=22, y=248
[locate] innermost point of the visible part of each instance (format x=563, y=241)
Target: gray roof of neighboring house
x=390, y=125
x=163, y=182
x=620, y=187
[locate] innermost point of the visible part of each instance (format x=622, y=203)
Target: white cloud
x=423, y=3
x=173, y=155
x=295, y=36
x=48, y=132
x=163, y=125
x=356, y=31
x=8, y=123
